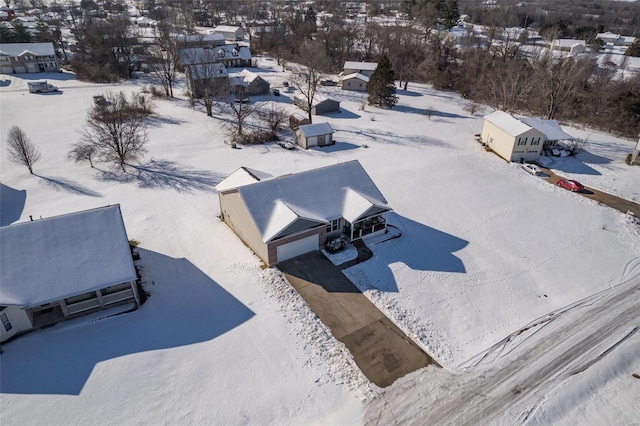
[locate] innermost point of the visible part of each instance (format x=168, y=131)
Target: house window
x=522, y=142
x=535, y=141
x=333, y=226
x=5, y=321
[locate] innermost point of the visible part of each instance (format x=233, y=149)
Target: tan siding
x=237, y=217
x=497, y=139
x=273, y=245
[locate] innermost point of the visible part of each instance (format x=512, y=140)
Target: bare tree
x=308, y=74
x=273, y=117
x=164, y=58
x=240, y=108
x=21, y=149
x=207, y=78
x=82, y=151
x=116, y=129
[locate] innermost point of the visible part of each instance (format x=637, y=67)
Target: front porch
x=368, y=226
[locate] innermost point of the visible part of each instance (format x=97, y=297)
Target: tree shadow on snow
x=420, y=247
x=427, y=112
x=185, y=307
x=11, y=204
x=165, y=174
x=61, y=184
x=580, y=164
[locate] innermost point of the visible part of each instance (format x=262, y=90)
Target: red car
x=571, y=185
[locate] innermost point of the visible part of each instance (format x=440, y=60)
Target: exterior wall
x=237, y=218
x=28, y=63
x=273, y=245
x=354, y=84
x=348, y=71
x=258, y=87
x=497, y=139
x=19, y=319
x=532, y=143
x=327, y=106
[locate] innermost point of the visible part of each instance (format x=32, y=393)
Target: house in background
x=510, y=138
x=572, y=46
x=200, y=40
x=62, y=267
x=319, y=134
x=230, y=33
x=283, y=217
x=252, y=83
x=20, y=58
x=320, y=104
x=364, y=68
x=206, y=76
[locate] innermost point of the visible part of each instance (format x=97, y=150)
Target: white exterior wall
x=528, y=151
x=19, y=319
x=497, y=139
x=354, y=84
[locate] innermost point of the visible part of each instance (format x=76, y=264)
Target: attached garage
x=298, y=247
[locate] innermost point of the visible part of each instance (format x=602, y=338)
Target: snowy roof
x=205, y=71
x=201, y=38
x=551, y=129
x=16, y=49
x=242, y=176
x=566, y=42
x=508, y=123
x=608, y=36
x=317, y=98
x=227, y=28
x=355, y=75
x=193, y=55
x=365, y=66
x=244, y=77
x=319, y=195
x=57, y=257
x=310, y=130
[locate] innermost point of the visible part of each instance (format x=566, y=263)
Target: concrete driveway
x=381, y=350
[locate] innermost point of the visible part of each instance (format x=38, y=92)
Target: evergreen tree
x=20, y=32
x=381, y=87
x=450, y=14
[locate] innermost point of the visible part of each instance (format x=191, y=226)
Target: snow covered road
x=511, y=387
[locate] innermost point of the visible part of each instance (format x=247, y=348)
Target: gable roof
x=227, y=28
x=62, y=256
x=507, y=122
x=37, y=49
x=242, y=176
x=356, y=75
x=365, y=66
x=317, y=99
x=317, y=129
x=315, y=196
x=192, y=55
x=550, y=128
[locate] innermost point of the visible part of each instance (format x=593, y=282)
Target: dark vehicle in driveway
x=571, y=185
x=276, y=92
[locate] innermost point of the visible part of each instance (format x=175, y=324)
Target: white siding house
x=319, y=134
x=510, y=138
x=64, y=266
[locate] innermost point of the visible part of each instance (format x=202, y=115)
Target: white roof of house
x=193, y=55
x=507, y=122
x=317, y=98
x=365, y=66
x=566, y=42
x=197, y=71
x=319, y=195
x=316, y=129
x=17, y=49
x=203, y=38
x=242, y=176
x=356, y=75
x=227, y=28
x=244, y=77
x=551, y=128
x=62, y=256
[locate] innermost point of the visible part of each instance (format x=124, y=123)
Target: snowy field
x=486, y=249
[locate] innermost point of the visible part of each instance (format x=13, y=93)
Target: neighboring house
x=230, y=33
x=510, y=138
x=20, y=58
x=569, y=45
x=320, y=104
x=616, y=39
x=229, y=55
x=201, y=76
x=354, y=81
x=201, y=40
x=145, y=22
x=319, y=134
x=283, y=217
x=364, y=68
x=252, y=82
x=62, y=267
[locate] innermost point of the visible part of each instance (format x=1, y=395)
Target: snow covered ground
x=486, y=249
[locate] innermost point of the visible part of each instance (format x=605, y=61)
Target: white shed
x=319, y=134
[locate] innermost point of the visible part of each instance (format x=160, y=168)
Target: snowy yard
x=486, y=249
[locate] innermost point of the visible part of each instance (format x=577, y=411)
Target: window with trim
x=522, y=142
x=333, y=226
x=5, y=321
x=535, y=141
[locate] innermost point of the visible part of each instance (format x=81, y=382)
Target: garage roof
x=49, y=259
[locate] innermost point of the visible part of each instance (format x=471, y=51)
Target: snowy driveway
x=381, y=350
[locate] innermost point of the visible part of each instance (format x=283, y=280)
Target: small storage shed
x=296, y=120
x=319, y=134
x=320, y=105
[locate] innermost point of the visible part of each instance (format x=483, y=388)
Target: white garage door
x=296, y=248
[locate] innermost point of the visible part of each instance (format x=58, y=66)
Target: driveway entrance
x=381, y=350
